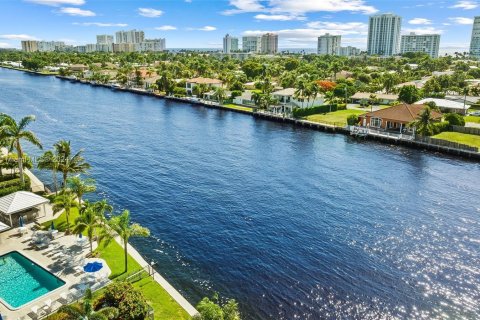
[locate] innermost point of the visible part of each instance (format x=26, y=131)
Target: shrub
x=441, y=127
x=214, y=310
x=303, y=112
x=235, y=94
x=179, y=91
x=58, y=316
x=455, y=119
x=130, y=302
x=352, y=119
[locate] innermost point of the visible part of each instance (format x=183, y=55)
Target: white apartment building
x=270, y=43
x=428, y=43
x=151, y=45
x=104, y=39
x=230, y=43
x=132, y=36
x=328, y=44
x=29, y=45
x=49, y=46
x=384, y=34
x=475, y=42
x=348, y=51
x=105, y=47
x=252, y=44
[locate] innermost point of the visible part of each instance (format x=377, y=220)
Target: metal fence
x=467, y=130
x=446, y=144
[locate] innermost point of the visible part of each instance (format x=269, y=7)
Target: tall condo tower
x=384, y=34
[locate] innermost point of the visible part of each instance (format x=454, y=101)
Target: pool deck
x=53, y=259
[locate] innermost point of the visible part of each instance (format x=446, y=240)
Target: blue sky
x=203, y=23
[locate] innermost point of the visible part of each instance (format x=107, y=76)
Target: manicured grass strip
x=337, y=117
x=113, y=255
x=234, y=106
x=468, y=139
x=162, y=303
x=61, y=221
x=473, y=119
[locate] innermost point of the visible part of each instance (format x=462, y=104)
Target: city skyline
x=77, y=22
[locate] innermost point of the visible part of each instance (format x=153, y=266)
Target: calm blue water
x=290, y=222
x=22, y=280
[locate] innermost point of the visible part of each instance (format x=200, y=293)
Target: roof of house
x=403, y=113
x=444, y=103
x=204, y=81
x=366, y=95
x=19, y=201
x=285, y=92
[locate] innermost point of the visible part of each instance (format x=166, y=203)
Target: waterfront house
x=447, y=105
x=287, y=100
x=78, y=67
x=190, y=84
x=395, y=118
x=363, y=98
x=246, y=98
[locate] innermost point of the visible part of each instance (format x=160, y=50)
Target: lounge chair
x=37, y=311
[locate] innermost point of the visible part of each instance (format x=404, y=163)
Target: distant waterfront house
x=78, y=67
x=447, y=105
x=246, y=98
x=395, y=118
x=287, y=100
x=210, y=83
x=364, y=97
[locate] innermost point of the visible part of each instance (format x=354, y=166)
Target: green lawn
x=162, y=303
x=61, y=221
x=472, y=119
x=234, y=106
x=468, y=139
x=337, y=117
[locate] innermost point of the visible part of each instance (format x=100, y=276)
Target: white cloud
x=5, y=45
x=339, y=28
x=166, y=28
x=56, y=3
x=420, y=21
x=424, y=30
x=76, y=12
x=17, y=37
x=461, y=20
x=278, y=17
x=100, y=24
x=149, y=12
x=206, y=28
x=299, y=8
x=465, y=5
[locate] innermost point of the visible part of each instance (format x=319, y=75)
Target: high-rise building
x=230, y=44
x=384, y=34
x=49, y=46
x=475, y=42
x=348, y=51
x=252, y=44
x=270, y=43
x=104, y=39
x=132, y=36
x=124, y=47
x=428, y=43
x=151, y=45
x=29, y=45
x=328, y=44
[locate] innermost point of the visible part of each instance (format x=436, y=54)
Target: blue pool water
x=22, y=280
x=293, y=223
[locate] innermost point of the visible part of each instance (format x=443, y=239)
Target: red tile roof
x=402, y=113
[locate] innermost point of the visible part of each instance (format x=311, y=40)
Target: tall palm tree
x=86, y=312
x=88, y=221
x=48, y=161
x=13, y=132
x=300, y=89
x=65, y=201
x=121, y=225
x=425, y=124
x=81, y=186
x=101, y=208
x=220, y=94
x=68, y=163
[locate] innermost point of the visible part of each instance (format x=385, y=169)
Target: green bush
x=441, y=127
x=179, y=91
x=130, y=302
x=303, y=112
x=352, y=119
x=455, y=119
x=235, y=94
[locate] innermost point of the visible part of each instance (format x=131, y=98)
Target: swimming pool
x=22, y=280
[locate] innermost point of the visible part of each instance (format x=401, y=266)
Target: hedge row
x=13, y=185
x=14, y=182
x=303, y=112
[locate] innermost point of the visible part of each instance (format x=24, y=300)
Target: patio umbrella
x=20, y=223
x=92, y=267
x=52, y=226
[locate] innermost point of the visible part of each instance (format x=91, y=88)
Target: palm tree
x=89, y=221
x=13, y=133
x=48, y=161
x=81, y=186
x=65, y=201
x=121, y=225
x=425, y=124
x=68, y=163
x=100, y=208
x=300, y=90
x=86, y=312
x=220, y=94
